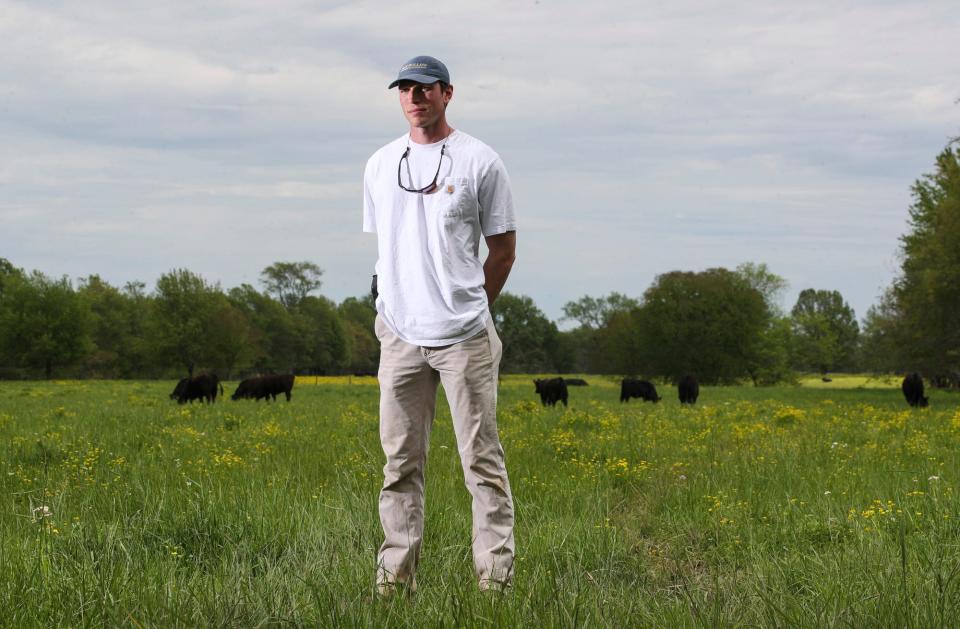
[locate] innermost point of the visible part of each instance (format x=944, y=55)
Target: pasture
x=795, y=506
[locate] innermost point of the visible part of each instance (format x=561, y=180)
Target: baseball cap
x=422, y=69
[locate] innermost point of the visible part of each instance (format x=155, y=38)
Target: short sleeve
x=496, y=201
x=369, y=211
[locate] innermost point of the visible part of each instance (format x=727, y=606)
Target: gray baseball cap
x=422, y=69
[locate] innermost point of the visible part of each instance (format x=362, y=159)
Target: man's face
x=424, y=105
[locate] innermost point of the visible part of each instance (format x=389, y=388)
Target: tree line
x=727, y=326
x=722, y=325
x=185, y=324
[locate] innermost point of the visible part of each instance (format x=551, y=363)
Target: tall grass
x=790, y=506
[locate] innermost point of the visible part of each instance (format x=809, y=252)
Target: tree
x=576, y=346
x=323, y=340
x=767, y=283
x=825, y=330
x=358, y=317
x=616, y=347
x=44, y=323
x=528, y=337
x=277, y=341
x=114, y=317
x=182, y=319
x=135, y=358
x=594, y=313
x=233, y=342
x=774, y=353
x=881, y=345
x=291, y=282
x=926, y=296
x=708, y=324
x=775, y=346
x=8, y=272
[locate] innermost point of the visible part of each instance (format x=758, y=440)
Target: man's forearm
x=496, y=268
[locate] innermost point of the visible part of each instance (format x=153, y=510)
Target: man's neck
x=429, y=135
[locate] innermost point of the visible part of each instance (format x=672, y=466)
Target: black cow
x=631, y=387
x=912, y=388
x=202, y=387
x=264, y=387
x=575, y=382
x=180, y=389
x=551, y=391
x=689, y=389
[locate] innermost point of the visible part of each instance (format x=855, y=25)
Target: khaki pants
x=408, y=376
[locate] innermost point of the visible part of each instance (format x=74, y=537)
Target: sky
x=641, y=137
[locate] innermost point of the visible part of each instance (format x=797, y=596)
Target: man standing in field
x=429, y=196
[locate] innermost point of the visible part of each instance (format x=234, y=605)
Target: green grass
x=799, y=506
x=851, y=381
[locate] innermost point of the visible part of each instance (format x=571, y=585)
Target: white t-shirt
x=429, y=273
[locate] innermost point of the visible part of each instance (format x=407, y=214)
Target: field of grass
x=801, y=506
x=851, y=381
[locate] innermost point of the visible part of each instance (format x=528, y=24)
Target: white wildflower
x=41, y=512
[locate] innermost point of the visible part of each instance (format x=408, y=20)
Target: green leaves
x=708, y=323
x=182, y=321
x=915, y=325
x=826, y=332
x=529, y=338
x=43, y=321
x=291, y=282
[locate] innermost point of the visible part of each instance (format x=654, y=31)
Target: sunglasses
x=429, y=187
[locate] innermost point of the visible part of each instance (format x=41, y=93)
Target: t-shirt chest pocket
x=453, y=199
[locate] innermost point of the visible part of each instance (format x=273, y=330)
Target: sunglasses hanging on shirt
x=429, y=187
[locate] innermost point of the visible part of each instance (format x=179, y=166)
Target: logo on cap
x=422, y=69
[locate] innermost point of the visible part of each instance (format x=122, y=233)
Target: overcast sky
x=641, y=137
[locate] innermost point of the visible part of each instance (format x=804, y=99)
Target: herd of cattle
x=205, y=386
x=551, y=390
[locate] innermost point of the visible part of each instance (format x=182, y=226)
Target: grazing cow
x=575, y=382
x=643, y=389
x=202, y=387
x=551, y=391
x=180, y=389
x=264, y=387
x=689, y=389
x=912, y=388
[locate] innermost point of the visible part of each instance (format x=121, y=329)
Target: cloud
x=640, y=137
